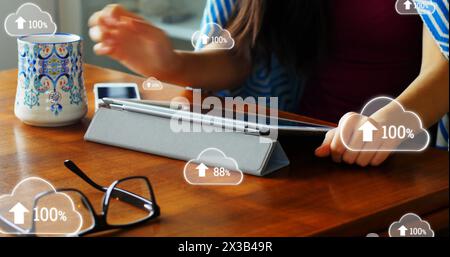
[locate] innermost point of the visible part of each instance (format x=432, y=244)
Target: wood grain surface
x=310, y=197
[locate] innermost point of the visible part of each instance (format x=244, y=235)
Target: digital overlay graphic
x=34, y=207
x=411, y=225
x=152, y=84
x=415, y=7
x=29, y=19
x=213, y=34
x=212, y=167
x=402, y=131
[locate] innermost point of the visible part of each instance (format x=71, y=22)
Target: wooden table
x=311, y=197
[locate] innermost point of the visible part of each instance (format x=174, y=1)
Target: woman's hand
x=135, y=43
x=339, y=152
x=427, y=96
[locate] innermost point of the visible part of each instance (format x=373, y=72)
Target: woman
x=350, y=51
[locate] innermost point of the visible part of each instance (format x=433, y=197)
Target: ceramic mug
x=50, y=86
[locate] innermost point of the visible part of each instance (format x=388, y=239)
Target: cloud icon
x=29, y=19
x=402, y=130
x=152, y=84
x=212, y=34
x=414, y=7
x=410, y=225
x=212, y=167
x=35, y=207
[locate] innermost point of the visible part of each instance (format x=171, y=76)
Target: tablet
x=245, y=122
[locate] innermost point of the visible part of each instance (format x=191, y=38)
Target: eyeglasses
x=126, y=203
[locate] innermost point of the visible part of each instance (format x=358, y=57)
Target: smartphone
x=115, y=91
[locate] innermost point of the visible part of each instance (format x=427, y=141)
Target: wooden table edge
x=420, y=206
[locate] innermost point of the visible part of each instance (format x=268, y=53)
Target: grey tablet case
x=152, y=134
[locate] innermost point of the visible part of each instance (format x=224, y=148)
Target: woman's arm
x=427, y=96
x=148, y=51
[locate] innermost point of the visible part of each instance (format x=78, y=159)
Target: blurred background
x=179, y=18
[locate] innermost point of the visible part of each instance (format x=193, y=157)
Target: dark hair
x=293, y=30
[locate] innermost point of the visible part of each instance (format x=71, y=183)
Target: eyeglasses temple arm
x=74, y=168
x=152, y=195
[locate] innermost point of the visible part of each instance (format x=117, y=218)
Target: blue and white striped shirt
x=437, y=24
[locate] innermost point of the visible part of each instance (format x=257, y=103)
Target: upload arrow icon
x=402, y=230
x=202, y=170
x=368, y=128
x=19, y=213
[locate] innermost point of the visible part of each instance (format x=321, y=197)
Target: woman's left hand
x=339, y=152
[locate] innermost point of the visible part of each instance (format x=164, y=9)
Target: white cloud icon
x=415, y=7
x=213, y=34
x=29, y=19
x=410, y=225
x=152, y=84
x=19, y=210
x=213, y=167
x=402, y=130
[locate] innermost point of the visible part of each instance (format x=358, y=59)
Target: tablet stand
x=152, y=134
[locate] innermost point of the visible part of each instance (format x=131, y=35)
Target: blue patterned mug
x=50, y=86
